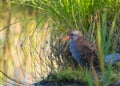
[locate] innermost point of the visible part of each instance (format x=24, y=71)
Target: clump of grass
x=70, y=75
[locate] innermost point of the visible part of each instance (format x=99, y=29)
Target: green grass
x=70, y=75
x=70, y=14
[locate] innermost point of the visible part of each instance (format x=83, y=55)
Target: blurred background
x=31, y=32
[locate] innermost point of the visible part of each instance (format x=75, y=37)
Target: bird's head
x=74, y=35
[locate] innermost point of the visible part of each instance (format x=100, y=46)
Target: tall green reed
x=104, y=42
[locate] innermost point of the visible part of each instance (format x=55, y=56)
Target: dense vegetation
x=31, y=33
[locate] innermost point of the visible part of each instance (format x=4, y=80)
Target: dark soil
x=54, y=82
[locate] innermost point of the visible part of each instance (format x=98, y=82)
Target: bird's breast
x=74, y=50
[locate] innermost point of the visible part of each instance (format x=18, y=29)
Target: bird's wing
x=85, y=45
x=85, y=42
x=87, y=50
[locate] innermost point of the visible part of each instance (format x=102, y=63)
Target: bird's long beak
x=66, y=38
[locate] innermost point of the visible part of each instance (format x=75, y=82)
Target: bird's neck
x=72, y=43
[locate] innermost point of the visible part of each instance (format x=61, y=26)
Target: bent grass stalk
x=99, y=40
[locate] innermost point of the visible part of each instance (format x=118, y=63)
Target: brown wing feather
x=87, y=51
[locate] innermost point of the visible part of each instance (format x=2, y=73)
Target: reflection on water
x=24, y=59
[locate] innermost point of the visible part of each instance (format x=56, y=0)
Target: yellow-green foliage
x=69, y=74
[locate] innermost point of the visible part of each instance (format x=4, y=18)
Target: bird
x=82, y=49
